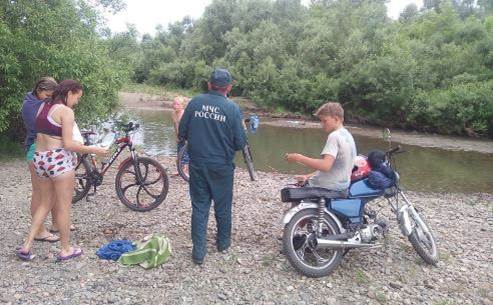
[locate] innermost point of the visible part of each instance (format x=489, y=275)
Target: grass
x=361, y=277
x=10, y=149
x=268, y=260
x=445, y=302
x=380, y=297
x=167, y=92
x=445, y=256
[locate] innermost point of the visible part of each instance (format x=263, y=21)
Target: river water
x=421, y=169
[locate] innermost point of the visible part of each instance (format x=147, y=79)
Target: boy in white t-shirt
x=333, y=169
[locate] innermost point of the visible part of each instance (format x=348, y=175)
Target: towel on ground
x=154, y=251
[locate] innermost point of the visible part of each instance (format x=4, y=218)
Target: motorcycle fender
x=405, y=221
x=310, y=205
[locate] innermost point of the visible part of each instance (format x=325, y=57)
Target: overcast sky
x=146, y=14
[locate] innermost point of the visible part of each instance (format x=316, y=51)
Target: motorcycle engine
x=373, y=232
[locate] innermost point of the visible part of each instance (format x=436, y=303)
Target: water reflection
x=421, y=169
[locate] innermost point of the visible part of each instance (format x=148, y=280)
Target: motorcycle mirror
x=386, y=135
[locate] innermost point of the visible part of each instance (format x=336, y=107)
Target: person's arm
x=329, y=153
x=67, y=122
x=239, y=140
x=324, y=164
x=183, y=123
x=176, y=123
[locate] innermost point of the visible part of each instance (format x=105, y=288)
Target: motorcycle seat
x=296, y=194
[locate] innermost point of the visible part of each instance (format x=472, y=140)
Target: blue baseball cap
x=221, y=77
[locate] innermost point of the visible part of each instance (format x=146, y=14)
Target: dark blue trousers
x=210, y=181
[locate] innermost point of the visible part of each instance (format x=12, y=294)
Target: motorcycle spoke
x=301, y=251
x=300, y=231
x=320, y=260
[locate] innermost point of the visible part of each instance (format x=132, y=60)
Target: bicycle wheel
x=82, y=179
x=182, y=162
x=149, y=192
x=247, y=156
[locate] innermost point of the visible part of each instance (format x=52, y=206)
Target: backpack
x=381, y=176
x=379, y=180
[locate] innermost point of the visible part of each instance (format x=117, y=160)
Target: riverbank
x=255, y=271
x=149, y=101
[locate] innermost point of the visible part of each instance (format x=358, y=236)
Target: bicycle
x=182, y=159
x=145, y=174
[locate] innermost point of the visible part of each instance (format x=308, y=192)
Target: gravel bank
x=254, y=272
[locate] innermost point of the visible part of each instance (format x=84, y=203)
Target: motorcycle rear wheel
x=423, y=241
x=301, y=253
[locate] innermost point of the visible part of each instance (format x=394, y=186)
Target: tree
x=409, y=12
x=60, y=39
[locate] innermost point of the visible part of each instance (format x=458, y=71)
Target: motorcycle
x=319, y=231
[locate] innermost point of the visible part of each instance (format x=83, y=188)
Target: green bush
x=460, y=109
x=59, y=39
x=430, y=70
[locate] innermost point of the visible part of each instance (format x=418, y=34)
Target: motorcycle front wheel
x=422, y=240
x=300, y=245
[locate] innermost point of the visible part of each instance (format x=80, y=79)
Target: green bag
x=154, y=251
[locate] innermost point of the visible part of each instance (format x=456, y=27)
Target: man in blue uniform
x=212, y=125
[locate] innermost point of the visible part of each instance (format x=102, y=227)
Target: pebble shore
x=254, y=271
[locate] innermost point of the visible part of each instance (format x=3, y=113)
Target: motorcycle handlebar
x=393, y=150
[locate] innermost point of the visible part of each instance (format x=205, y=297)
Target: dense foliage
x=430, y=70
x=59, y=38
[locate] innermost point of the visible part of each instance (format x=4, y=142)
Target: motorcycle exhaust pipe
x=339, y=244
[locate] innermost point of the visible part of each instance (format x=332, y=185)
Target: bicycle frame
x=122, y=143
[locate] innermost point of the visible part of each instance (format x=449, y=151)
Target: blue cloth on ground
x=114, y=249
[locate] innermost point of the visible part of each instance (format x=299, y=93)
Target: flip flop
x=72, y=228
x=50, y=238
x=76, y=252
x=25, y=256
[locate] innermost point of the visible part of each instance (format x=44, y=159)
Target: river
x=421, y=169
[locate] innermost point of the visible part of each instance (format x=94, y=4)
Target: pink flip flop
x=25, y=256
x=50, y=238
x=76, y=252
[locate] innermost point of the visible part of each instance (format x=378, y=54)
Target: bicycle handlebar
x=131, y=127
